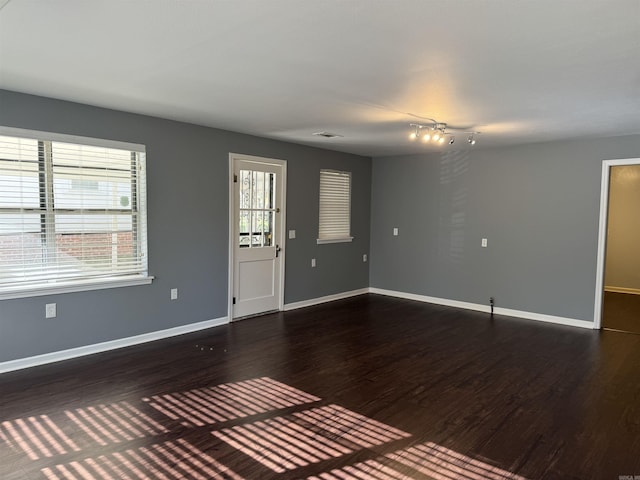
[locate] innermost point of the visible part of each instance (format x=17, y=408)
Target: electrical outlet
x=364, y=257
x=395, y=231
x=174, y=294
x=484, y=243
x=50, y=310
x=313, y=262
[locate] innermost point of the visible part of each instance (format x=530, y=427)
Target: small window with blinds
x=335, y=207
x=72, y=214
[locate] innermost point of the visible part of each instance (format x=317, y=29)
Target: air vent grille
x=327, y=134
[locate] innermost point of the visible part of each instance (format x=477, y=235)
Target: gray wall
x=187, y=174
x=623, y=228
x=538, y=206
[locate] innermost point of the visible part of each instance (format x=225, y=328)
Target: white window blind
x=335, y=207
x=70, y=213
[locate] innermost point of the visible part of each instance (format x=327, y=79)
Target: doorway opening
x=617, y=305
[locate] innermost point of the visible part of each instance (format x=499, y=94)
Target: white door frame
x=602, y=233
x=281, y=228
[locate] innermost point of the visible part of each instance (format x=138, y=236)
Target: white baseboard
x=110, y=345
x=328, y=298
x=572, y=322
x=632, y=291
x=61, y=355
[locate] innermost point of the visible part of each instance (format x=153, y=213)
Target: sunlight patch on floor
x=284, y=442
x=170, y=460
x=310, y=436
x=38, y=437
x=207, y=406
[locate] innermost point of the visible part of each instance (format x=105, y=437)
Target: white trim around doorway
x=602, y=233
x=231, y=225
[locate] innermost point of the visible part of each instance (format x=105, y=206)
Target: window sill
x=334, y=240
x=70, y=287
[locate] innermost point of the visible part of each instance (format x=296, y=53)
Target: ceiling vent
x=326, y=135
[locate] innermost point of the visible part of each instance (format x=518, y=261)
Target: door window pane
x=256, y=212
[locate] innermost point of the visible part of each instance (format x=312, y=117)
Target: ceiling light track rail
x=439, y=132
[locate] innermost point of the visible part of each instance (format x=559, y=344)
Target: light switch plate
x=364, y=257
x=292, y=234
x=484, y=242
x=174, y=294
x=395, y=231
x=313, y=262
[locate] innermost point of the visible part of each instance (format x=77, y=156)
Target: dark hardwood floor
x=365, y=388
x=621, y=311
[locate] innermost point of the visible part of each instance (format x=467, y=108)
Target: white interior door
x=258, y=240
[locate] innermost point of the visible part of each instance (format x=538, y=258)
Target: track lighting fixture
x=437, y=132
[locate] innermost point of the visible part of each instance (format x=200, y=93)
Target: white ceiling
x=518, y=71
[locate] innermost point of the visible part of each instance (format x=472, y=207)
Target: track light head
x=471, y=139
x=451, y=140
x=436, y=136
x=416, y=132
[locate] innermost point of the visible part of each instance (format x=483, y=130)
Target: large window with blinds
x=72, y=213
x=335, y=207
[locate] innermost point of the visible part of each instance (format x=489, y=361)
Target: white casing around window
x=72, y=213
x=335, y=207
